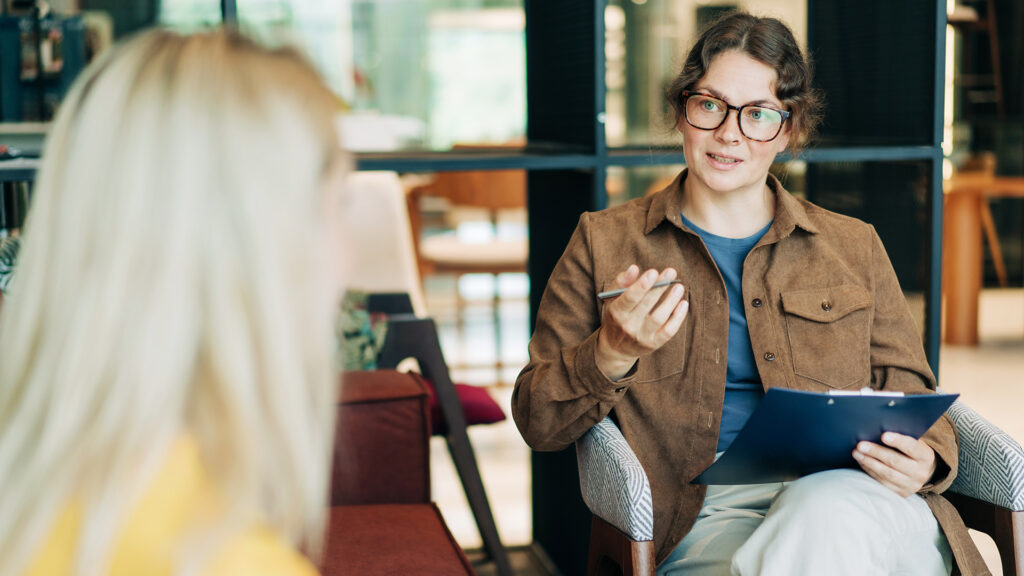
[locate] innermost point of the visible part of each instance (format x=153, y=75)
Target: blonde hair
x=172, y=281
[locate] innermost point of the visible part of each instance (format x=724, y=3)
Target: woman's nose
x=729, y=131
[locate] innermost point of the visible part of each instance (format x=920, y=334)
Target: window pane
x=875, y=62
x=869, y=101
x=416, y=74
x=68, y=40
x=892, y=196
x=645, y=46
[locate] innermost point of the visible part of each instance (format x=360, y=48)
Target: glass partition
x=415, y=74
x=645, y=46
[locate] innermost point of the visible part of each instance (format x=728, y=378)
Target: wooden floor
x=990, y=379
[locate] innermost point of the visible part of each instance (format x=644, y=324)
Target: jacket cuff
x=587, y=372
x=943, y=439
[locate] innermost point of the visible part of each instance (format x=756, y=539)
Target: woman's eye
x=710, y=105
x=763, y=115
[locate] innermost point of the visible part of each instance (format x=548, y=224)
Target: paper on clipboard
x=794, y=433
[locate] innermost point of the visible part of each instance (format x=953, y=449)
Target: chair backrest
x=381, y=256
x=492, y=190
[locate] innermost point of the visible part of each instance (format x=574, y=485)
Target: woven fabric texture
x=613, y=481
x=991, y=462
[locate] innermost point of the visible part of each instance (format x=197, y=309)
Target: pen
x=613, y=293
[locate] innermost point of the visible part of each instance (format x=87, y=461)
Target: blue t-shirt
x=743, y=387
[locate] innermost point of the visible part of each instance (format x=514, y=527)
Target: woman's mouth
x=724, y=162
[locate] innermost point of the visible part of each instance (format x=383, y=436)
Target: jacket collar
x=667, y=204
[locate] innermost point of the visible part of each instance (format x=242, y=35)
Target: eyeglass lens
x=757, y=123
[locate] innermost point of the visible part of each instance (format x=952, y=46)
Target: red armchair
x=382, y=521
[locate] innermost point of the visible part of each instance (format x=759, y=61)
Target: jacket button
x=769, y=356
x=826, y=305
x=756, y=302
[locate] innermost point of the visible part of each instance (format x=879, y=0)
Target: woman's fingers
x=664, y=308
x=886, y=476
x=653, y=295
x=636, y=291
x=669, y=329
x=904, y=468
x=635, y=321
x=628, y=276
x=887, y=456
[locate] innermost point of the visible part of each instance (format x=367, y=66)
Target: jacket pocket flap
x=826, y=304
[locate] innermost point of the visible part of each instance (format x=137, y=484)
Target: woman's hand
x=639, y=321
x=904, y=468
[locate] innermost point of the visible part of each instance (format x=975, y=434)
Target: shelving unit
x=38, y=90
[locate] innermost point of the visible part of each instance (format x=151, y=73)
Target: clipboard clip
x=864, y=392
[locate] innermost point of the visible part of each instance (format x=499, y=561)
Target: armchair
x=453, y=406
x=988, y=493
x=381, y=520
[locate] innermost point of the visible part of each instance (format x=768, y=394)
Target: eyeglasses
x=758, y=123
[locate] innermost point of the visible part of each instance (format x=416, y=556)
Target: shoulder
x=835, y=226
x=259, y=552
x=617, y=223
x=635, y=209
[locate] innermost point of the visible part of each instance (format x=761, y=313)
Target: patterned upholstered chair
x=988, y=492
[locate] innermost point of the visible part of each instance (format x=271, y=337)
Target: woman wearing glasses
x=771, y=291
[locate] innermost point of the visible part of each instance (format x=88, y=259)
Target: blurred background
x=493, y=124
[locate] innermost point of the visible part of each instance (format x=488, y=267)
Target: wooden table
x=966, y=218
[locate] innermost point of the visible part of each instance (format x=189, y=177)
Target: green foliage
x=8, y=255
x=360, y=333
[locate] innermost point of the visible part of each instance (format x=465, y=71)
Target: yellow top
x=150, y=539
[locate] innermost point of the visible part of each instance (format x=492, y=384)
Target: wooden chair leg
x=1005, y=526
x=613, y=553
x=988, y=224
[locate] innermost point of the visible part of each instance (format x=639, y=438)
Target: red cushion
x=391, y=539
x=477, y=405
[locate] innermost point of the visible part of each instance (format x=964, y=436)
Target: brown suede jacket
x=669, y=406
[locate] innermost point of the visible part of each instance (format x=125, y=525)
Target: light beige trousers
x=836, y=523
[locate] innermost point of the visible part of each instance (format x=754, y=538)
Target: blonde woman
x=166, y=381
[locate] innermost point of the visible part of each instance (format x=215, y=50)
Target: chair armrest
x=991, y=463
x=613, y=482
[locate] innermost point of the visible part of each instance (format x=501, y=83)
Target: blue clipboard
x=793, y=433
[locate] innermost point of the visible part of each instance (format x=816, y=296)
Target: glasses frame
x=739, y=112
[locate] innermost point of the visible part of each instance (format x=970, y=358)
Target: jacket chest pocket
x=829, y=331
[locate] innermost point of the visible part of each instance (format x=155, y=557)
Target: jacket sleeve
x=898, y=361
x=561, y=392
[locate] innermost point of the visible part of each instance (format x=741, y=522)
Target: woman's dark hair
x=770, y=42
